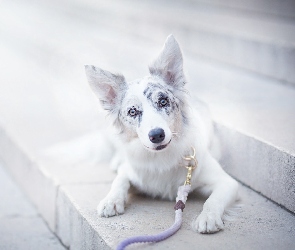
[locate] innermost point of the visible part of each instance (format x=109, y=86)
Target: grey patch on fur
x=129, y=120
x=146, y=90
x=167, y=107
x=155, y=92
x=138, y=112
x=139, y=119
x=185, y=118
x=152, y=87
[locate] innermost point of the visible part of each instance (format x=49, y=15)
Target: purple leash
x=179, y=206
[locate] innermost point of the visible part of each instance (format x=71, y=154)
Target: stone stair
x=239, y=58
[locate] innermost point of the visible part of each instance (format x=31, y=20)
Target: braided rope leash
x=179, y=206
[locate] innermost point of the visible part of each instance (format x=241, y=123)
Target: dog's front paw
x=110, y=206
x=208, y=222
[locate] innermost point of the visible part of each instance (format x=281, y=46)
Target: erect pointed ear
x=108, y=87
x=169, y=64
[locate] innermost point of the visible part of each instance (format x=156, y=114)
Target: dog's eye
x=132, y=112
x=163, y=102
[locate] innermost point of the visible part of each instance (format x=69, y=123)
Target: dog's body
x=157, y=128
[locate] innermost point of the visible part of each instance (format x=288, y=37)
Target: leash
x=179, y=206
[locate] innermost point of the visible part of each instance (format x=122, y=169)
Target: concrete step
x=77, y=221
x=45, y=100
x=21, y=226
x=77, y=188
x=280, y=9
x=258, y=43
x=255, y=121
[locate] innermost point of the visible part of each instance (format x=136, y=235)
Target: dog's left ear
x=169, y=64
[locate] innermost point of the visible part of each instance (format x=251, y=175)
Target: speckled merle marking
x=132, y=114
x=161, y=97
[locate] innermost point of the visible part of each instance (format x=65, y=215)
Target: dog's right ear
x=169, y=64
x=108, y=87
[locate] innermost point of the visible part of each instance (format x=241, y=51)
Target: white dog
x=158, y=128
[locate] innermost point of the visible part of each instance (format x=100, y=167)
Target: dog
x=157, y=126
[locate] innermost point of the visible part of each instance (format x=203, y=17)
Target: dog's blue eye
x=163, y=102
x=132, y=112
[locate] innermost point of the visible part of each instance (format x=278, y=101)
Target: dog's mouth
x=158, y=148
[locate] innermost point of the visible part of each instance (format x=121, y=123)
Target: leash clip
x=193, y=163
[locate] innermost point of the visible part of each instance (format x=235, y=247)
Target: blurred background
x=236, y=53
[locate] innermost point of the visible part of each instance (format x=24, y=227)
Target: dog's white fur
x=159, y=173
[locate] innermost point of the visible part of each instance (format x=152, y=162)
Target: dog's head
x=151, y=109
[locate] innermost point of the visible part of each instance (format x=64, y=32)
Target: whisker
x=175, y=134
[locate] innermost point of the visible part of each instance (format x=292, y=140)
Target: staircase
x=239, y=58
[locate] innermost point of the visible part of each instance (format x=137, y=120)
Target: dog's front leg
x=223, y=190
x=114, y=202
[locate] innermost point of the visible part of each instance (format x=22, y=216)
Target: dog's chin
x=158, y=148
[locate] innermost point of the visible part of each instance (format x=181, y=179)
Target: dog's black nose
x=157, y=135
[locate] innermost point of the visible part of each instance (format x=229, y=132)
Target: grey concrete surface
x=283, y=9
x=262, y=44
x=261, y=166
x=30, y=177
x=45, y=100
x=260, y=224
x=21, y=226
x=255, y=106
